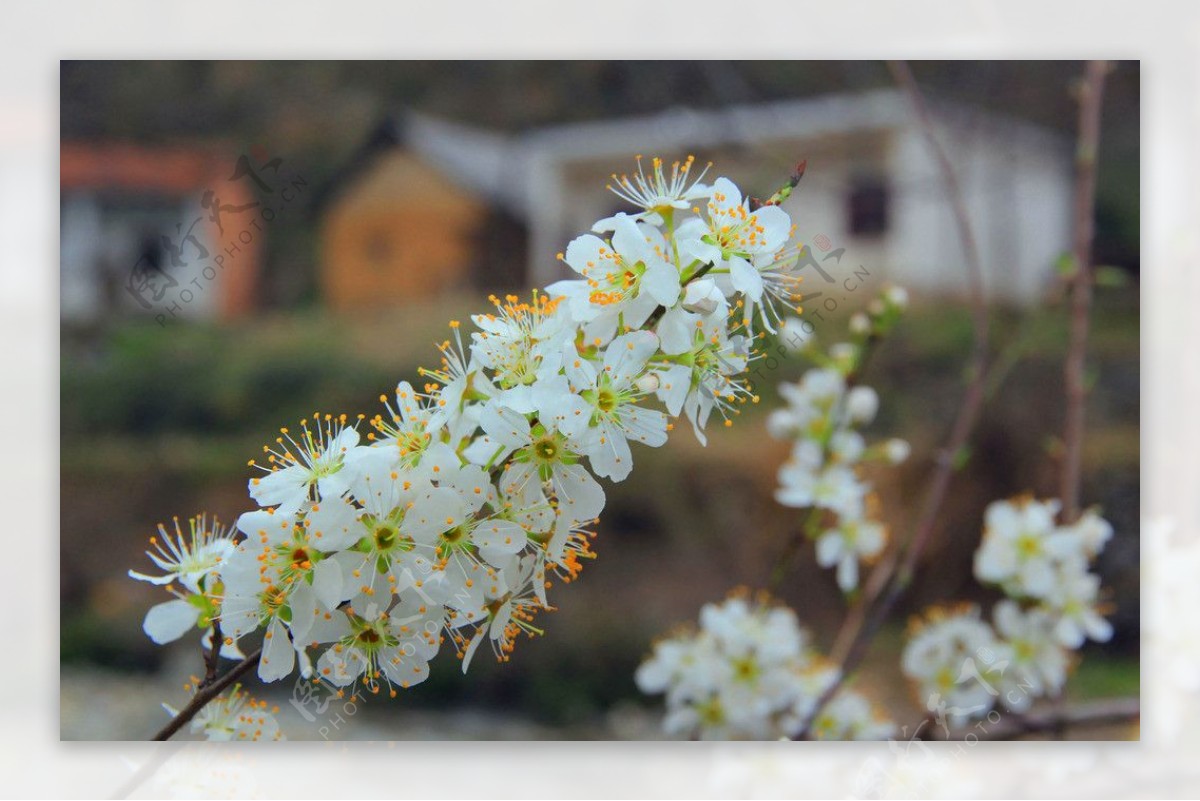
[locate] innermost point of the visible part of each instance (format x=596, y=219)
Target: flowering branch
x=949, y=458
x=1091, y=91
x=473, y=492
x=207, y=693
x=892, y=576
x=748, y=671
x=869, y=327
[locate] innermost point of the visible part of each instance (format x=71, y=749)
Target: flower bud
x=860, y=323
x=843, y=355
x=648, y=382
x=861, y=404
x=896, y=450
x=897, y=296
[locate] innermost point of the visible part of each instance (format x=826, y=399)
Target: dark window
x=868, y=207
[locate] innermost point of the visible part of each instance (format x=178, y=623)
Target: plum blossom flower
x=1037, y=662
x=380, y=647
x=277, y=578
x=1022, y=547
x=732, y=237
x=611, y=398
x=312, y=461
x=189, y=560
x=521, y=343
x=942, y=658
x=193, y=561
x=623, y=280
x=463, y=382
x=850, y=716
x=541, y=455
x=748, y=672
x=1074, y=599
x=657, y=193
x=854, y=539
x=708, y=376
x=235, y=716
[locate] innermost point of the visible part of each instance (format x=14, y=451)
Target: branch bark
x=889, y=580
x=1096, y=713
x=1091, y=91
x=214, y=655
x=207, y=693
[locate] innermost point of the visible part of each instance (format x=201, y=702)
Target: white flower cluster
x=962, y=666
x=1046, y=566
x=749, y=673
x=234, y=716
x=823, y=473
x=449, y=518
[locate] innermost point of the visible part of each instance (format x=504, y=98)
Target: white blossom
x=748, y=672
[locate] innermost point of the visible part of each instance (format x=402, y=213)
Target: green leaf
x=961, y=457
x=1110, y=276
x=1064, y=265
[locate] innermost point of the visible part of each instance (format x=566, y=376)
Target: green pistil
x=369, y=637
x=456, y=540
x=385, y=537
x=745, y=670
x=711, y=712
x=546, y=449
x=606, y=400
x=1029, y=545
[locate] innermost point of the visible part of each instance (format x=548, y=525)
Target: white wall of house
x=1015, y=176
x=100, y=241
x=1017, y=190
x=1017, y=193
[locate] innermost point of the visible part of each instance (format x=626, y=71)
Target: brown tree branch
x=1091, y=91
x=205, y=694
x=214, y=655
x=892, y=576
x=1011, y=726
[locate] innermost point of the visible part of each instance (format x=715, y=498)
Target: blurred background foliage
x=160, y=421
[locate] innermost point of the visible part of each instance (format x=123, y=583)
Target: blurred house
x=393, y=227
x=871, y=187
x=165, y=232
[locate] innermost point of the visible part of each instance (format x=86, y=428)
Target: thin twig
x=214, y=655
x=1091, y=91
x=893, y=575
x=206, y=694
x=791, y=550
x=1096, y=713
x=783, y=192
